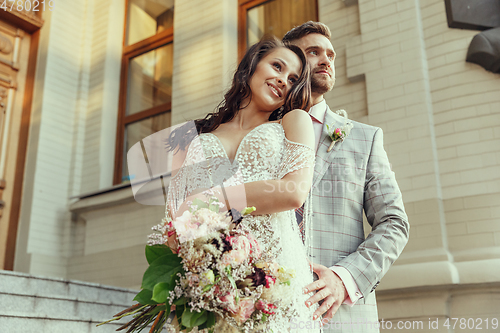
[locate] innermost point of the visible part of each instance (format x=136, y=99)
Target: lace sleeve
x=192, y=174
x=296, y=156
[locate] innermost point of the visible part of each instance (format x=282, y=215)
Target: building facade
x=105, y=74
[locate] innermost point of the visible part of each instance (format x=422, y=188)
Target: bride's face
x=273, y=79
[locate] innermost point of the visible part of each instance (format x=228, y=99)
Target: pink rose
x=238, y=256
x=228, y=302
x=242, y=243
x=337, y=131
x=246, y=307
x=239, y=253
x=254, y=246
x=233, y=257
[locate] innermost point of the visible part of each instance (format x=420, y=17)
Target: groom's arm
x=385, y=212
x=384, y=209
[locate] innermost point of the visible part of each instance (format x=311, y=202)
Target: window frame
x=243, y=7
x=130, y=52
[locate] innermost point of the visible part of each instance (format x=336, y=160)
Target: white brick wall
x=205, y=49
x=440, y=117
x=72, y=150
x=466, y=113
x=467, y=109
x=344, y=25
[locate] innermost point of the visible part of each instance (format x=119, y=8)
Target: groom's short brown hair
x=307, y=28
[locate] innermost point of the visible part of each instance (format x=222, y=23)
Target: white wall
x=72, y=135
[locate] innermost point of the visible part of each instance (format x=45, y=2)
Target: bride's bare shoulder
x=296, y=118
x=298, y=127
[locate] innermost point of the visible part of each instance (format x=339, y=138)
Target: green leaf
x=161, y=292
x=163, y=269
x=186, y=318
x=209, y=322
x=214, y=208
x=231, y=280
x=248, y=210
x=144, y=297
x=211, y=319
x=156, y=251
x=179, y=309
x=180, y=301
x=200, y=203
x=167, y=310
x=202, y=318
x=193, y=318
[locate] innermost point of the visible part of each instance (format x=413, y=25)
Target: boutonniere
x=339, y=133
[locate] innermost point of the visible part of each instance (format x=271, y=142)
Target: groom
x=352, y=177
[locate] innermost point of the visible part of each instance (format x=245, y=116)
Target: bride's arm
x=289, y=192
x=271, y=196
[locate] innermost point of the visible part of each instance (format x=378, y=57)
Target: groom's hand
x=329, y=288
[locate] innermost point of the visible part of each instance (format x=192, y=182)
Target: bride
x=261, y=131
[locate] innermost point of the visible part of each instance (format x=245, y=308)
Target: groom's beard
x=320, y=83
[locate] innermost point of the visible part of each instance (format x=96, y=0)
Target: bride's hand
x=231, y=196
x=200, y=194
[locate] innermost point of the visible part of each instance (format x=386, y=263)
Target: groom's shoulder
x=359, y=127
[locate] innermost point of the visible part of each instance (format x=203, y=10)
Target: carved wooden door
x=19, y=33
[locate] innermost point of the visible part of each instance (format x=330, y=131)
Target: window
x=276, y=17
x=146, y=76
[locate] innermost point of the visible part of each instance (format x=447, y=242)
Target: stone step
x=25, y=284
x=36, y=304
x=20, y=324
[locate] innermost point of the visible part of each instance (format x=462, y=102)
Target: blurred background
x=83, y=81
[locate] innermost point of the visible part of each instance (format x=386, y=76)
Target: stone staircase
x=32, y=304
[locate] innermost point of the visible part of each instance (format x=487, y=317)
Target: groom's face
x=320, y=56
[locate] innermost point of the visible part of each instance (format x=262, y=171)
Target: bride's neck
x=248, y=118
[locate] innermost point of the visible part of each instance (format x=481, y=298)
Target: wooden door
x=19, y=33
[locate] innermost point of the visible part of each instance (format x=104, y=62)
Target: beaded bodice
x=263, y=154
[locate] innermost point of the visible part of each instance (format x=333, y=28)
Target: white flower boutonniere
x=339, y=133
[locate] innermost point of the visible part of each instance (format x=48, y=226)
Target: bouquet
x=218, y=275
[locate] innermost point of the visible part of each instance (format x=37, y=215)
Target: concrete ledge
x=419, y=274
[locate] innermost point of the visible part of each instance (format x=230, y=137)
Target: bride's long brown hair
x=299, y=96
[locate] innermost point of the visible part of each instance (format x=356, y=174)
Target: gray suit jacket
x=355, y=176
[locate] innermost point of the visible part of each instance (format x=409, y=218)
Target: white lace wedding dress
x=264, y=154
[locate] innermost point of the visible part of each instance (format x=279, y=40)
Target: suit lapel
x=324, y=158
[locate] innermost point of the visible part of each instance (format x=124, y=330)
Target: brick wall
x=204, y=56
x=72, y=137
x=441, y=122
